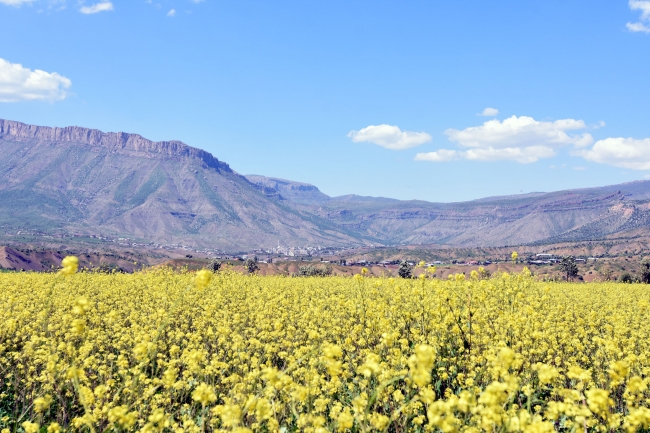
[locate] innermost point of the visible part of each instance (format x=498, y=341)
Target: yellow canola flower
x=379, y=421
x=637, y=419
x=371, y=366
x=41, y=404
x=30, y=427
x=599, y=401
x=263, y=409
x=158, y=421
x=636, y=385
x=204, y=394
x=345, y=420
x=78, y=326
x=69, y=264
x=203, y=278
x=121, y=416
x=81, y=305
x=546, y=373
x=54, y=427
x=577, y=373
x=230, y=414
x=421, y=363
x=141, y=352
x=619, y=370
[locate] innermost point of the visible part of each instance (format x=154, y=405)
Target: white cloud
x=521, y=132
x=390, y=137
x=523, y=155
x=489, y=112
x=15, y=2
x=643, y=6
x=104, y=6
x=637, y=27
x=620, y=152
x=441, y=155
x=522, y=139
x=644, y=20
x=171, y=13
x=21, y=84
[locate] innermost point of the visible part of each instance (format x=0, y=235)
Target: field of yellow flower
x=172, y=351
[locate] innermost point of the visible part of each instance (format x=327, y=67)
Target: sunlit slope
x=168, y=197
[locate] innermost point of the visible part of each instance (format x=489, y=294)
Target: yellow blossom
x=69, y=264
x=54, y=427
x=41, y=404
x=202, y=279
x=546, y=373
x=204, y=394
x=30, y=427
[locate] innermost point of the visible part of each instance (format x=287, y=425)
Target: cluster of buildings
x=305, y=251
x=550, y=259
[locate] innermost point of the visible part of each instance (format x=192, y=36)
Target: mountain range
x=79, y=180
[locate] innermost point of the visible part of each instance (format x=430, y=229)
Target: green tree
x=645, y=270
x=214, y=266
x=626, y=278
x=251, y=266
x=404, y=270
x=313, y=271
x=569, y=267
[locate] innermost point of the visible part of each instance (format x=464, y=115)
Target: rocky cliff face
x=78, y=180
x=112, y=141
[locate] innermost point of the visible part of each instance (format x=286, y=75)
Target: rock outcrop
x=113, y=141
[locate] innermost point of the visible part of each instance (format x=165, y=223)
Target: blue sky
x=375, y=98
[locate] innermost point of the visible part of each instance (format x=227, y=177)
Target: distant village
x=324, y=254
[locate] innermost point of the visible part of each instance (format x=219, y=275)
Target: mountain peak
x=114, y=141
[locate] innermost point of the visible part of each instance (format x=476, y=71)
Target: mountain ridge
x=114, y=141
x=82, y=180
x=85, y=181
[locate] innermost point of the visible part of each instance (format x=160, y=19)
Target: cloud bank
x=18, y=83
x=521, y=139
x=96, y=8
x=620, y=152
x=389, y=136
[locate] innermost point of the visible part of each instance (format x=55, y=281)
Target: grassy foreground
x=155, y=351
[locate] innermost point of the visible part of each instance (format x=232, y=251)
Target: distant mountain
x=79, y=180
x=572, y=215
x=297, y=192
x=85, y=181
